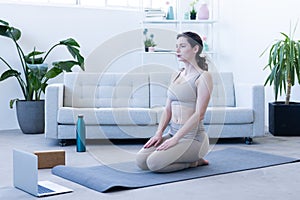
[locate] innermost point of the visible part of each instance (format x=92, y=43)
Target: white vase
x=151, y=49
x=203, y=12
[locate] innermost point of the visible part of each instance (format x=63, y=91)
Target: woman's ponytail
x=201, y=61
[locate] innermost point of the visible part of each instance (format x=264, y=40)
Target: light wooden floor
x=278, y=182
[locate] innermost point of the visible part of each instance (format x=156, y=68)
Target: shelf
x=199, y=21
x=179, y=21
x=161, y=52
x=173, y=52
x=153, y=21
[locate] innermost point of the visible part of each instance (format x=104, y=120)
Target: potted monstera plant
x=34, y=76
x=284, y=66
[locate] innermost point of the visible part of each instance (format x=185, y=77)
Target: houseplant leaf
x=7, y=31
x=9, y=73
x=65, y=65
x=53, y=72
x=3, y=29
x=31, y=59
x=69, y=42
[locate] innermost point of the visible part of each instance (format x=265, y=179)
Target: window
x=99, y=3
x=96, y=3
x=111, y=3
x=66, y=2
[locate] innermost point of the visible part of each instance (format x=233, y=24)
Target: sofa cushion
x=223, y=90
x=228, y=115
x=111, y=90
x=108, y=116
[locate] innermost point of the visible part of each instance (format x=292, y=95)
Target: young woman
x=186, y=143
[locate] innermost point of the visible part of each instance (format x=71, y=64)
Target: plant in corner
x=284, y=66
x=148, y=42
x=35, y=74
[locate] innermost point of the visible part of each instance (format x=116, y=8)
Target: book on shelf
x=154, y=13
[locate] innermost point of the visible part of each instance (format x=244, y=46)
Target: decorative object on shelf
x=203, y=12
x=186, y=15
x=193, y=12
x=284, y=62
x=34, y=79
x=151, y=49
x=148, y=42
x=205, y=45
x=170, y=12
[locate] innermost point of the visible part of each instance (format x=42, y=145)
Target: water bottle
x=80, y=134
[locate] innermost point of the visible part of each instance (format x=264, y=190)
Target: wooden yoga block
x=49, y=159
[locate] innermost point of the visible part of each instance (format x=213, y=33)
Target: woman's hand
x=154, y=141
x=167, y=144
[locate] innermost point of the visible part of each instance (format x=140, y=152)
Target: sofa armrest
x=253, y=96
x=53, y=101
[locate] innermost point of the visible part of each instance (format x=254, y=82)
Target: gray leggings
x=178, y=157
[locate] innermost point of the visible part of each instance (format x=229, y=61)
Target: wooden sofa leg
x=248, y=140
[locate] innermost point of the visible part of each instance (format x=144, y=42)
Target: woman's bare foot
x=199, y=162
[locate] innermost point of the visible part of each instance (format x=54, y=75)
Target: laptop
x=25, y=176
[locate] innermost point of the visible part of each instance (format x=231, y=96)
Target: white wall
x=43, y=26
x=245, y=28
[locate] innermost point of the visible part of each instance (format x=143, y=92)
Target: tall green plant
x=33, y=79
x=284, y=64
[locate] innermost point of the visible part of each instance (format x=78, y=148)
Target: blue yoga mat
x=105, y=178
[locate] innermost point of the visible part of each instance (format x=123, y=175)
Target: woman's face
x=184, y=51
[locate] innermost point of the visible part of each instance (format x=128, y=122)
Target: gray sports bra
x=184, y=93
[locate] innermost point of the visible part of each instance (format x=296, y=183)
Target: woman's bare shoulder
x=205, y=77
x=207, y=74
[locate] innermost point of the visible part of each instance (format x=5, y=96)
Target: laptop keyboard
x=42, y=190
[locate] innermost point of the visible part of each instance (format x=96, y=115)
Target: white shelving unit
x=165, y=31
x=205, y=28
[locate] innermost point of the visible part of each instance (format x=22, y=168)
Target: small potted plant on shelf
x=193, y=12
x=34, y=76
x=148, y=42
x=284, y=66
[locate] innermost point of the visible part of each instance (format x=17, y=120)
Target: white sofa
x=121, y=106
